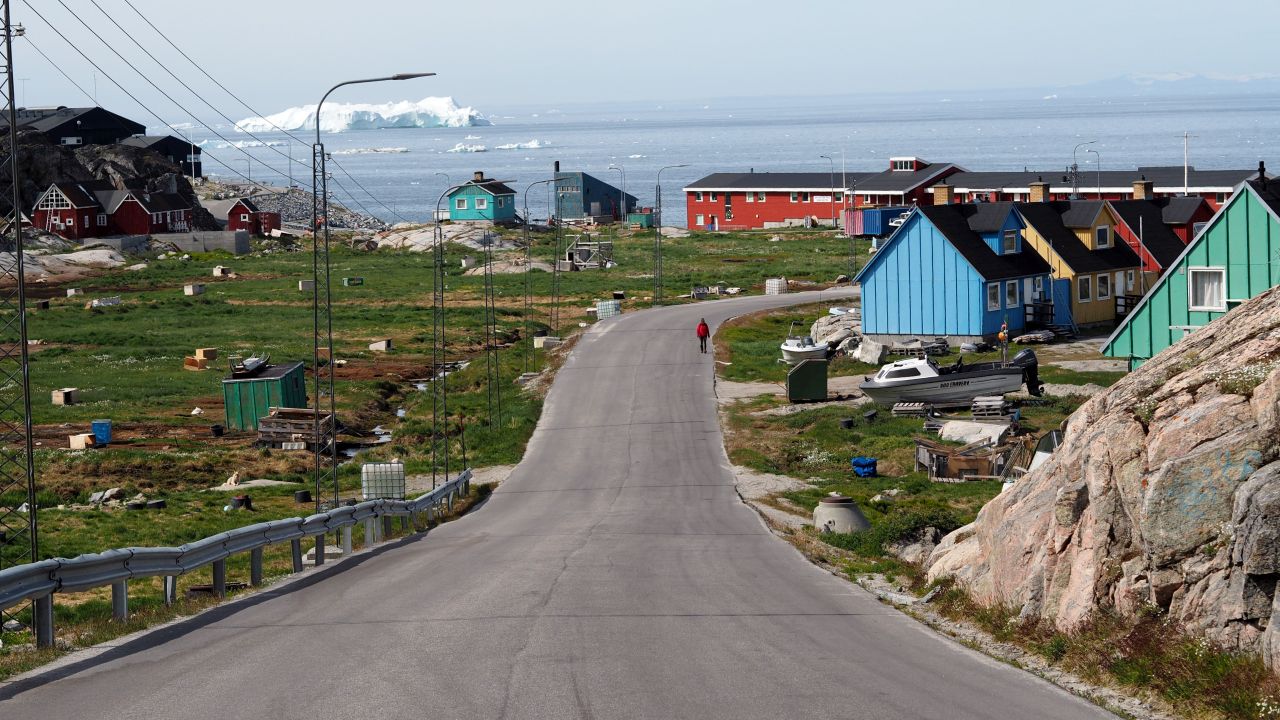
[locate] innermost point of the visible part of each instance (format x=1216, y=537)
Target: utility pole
x=18, y=525
x=1099, y=171
x=1186, y=163
x=831, y=180
x=657, y=238
x=1075, y=168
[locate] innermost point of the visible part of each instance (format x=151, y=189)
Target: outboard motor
x=1026, y=359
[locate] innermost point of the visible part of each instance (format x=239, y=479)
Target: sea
x=400, y=174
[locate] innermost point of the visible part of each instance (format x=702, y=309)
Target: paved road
x=615, y=574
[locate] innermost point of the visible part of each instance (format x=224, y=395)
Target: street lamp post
x=319, y=217
x=622, y=197
x=1075, y=168
x=832, y=181
x=1099, y=171
x=657, y=238
x=528, y=265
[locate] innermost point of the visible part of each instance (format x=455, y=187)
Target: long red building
x=78, y=211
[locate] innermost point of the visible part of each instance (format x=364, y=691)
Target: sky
x=499, y=54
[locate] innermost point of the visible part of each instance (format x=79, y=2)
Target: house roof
x=246, y=202
x=150, y=141
x=75, y=193
x=902, y=181
x=1165, y=178
x=493, y=187
x=1152, y=220
x=93, y=118
x=955, y=222
x=777, y=181
x=1050, y=220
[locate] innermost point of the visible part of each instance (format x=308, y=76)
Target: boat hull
x=946, y=389
x=794, y=356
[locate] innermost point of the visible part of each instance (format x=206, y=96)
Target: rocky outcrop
x=1165, y=493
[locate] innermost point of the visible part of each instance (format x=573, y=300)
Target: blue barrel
x=101, y=432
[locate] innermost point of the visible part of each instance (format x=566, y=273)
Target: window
x=1104, y=287
x=1084, y=288
x=54, y=201
x=1103, y=234
x=1128, y=281
x=1009, y=242
x=839, y=197
x=1207, y=288
x=804, y=197
x=795, y=197
x=1039, y=285
x=460, y=204
x=701, y=220
x=751, y=197
x=903, y=373
x=760, y=197
x=866, y=199
x=713, y=197
x=86, y=221
x=993, y=296
x=102, y=220
x=903, y=164
x=71, y=221
x=1221, y=197
x=502, y=202
x=482, y=203
x=244, y=217
x=1011, y=294
x=1197, y=228
x=72, y=141
x=698, y=196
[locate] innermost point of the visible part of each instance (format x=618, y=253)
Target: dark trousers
x=703, y=342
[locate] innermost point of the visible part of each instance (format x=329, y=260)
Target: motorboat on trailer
x=921, y=380
x=798, y=348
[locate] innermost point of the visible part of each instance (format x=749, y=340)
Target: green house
x=249, y=398
x=1234, y=258
x=482, y=200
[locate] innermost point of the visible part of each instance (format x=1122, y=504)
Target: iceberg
x=371, y=151
x=534, y=144
x=461, y=148
x=339, y=117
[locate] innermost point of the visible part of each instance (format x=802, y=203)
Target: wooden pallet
x=287, y=425
x=910, y=410
x=988, y=406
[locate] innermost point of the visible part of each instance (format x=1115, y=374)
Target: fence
x=38, y=581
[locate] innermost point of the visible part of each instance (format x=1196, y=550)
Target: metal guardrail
x=38, y=581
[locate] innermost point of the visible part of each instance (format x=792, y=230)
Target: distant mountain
x=1178, y=84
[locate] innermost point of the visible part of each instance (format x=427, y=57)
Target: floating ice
x=428, y=112
x=461, y=148
x=370, y=151
x=534, y=144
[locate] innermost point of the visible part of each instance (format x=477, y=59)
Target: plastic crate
x=382, y=481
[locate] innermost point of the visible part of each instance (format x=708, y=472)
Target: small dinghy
x=798, y=348
x=922, y=380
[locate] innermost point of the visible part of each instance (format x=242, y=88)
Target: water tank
x=839, y=514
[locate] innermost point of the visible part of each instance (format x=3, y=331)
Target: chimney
x=1143, y=189
x=479, y=176
x=1039, y=190
x=943, y=194
x=1262, y=175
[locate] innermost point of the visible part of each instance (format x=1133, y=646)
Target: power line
x=60, y=70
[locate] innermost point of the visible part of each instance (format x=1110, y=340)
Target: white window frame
x=102, y=219
x=1102, y=236
x=1103, y=279
x=839, y=196
x=866, y=200
x=71, y=221
x=993, y=297
x=1191, y=288
x=760, y=197
x=1039, y=287
x=751, y=197
x=713, y=197
x=1197, y=228
x=805, y=197
x=795, y=197
x=697, y=196
x=502, y=202
x=482, y=203
x=1011, y=298
x=1004, y=238
x=1129, y=281
x=70, y=140
x=244, y=217
x=460, y=203
x=700, y=220
x=1084, y=282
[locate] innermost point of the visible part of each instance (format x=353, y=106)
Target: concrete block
x=468, y=262
x=221, y=271
x=72, y=292
x=207, y=353
x=194, y=363
x=306, y=285
x=546, y=341
x=193, y=289
x=352, y=281
x=81, y=441
x=380, y=345
x=66, y=396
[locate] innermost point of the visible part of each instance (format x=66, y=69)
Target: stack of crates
x=608, y=308
x=775, y=286
x=382, y=481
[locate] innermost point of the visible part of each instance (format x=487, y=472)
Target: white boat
x=924, y=381
x=798, y=348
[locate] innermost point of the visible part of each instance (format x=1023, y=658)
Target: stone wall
x=236, y=242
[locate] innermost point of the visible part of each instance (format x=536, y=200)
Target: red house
x=1159, y=228
x=78, y=211
x=244, y=215
x=1214, y=186
x=752, y=200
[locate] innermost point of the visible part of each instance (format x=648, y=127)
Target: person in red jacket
x=704, y=332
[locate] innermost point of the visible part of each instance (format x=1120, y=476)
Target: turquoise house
x=482, y=200
x=959, y=271
x=1234, y=258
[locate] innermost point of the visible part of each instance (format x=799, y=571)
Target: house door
x=1029, y=291
x=711, y=223
x=1120, y=289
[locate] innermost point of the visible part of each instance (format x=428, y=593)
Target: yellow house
x=1078, y=239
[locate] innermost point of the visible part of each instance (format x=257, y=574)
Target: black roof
x=953, y=221
x=150, y=141
x=1153, y=218
x=248, y=204
x=1165, y=178
x=91, y=118
x=493, y=187
x=775, y=180
x=1268, y=192
x=902, y=181
x=1049, y=219
x=80, y=194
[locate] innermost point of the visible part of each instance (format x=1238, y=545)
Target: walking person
x=704, y=332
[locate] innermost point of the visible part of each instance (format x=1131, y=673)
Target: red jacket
x=703, y=330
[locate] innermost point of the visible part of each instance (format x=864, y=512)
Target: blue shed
x=958, y=271
x=582, y=195
x=482, y=200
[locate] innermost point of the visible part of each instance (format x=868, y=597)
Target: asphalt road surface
x=615, y=574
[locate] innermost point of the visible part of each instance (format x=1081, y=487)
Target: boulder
x=1166, y=493
x=834, y=328
x=916, y=546
x=871, y=352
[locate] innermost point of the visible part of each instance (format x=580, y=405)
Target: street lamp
x=622, y=207
x=1075, y=168
x=528, y=265
x=319, y=214
x=832, y=180
x=1099, y=171
x=657, y=238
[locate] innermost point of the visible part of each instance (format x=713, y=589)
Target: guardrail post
x=386, y=525
x=120, y=600
x=346, y=540
x=44, y=621
x=170, y=588
x=369, y=533
x=220, y=578
x=451, y=494
x=404, y=522
x=296, y=547
x=320, y=549
x=255, y=567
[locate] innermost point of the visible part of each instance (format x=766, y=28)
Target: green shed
x=249, y=398
x=1236, y=257
x=807, y=381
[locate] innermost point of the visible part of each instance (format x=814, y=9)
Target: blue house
x=959, y=271
x=582, y=196
x=482, y=200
